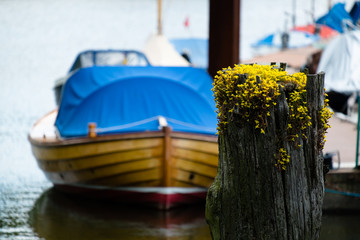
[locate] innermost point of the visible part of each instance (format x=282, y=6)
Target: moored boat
x=136, y=134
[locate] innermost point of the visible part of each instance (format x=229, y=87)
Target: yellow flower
x=256, y=96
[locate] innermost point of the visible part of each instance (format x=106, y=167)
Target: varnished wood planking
x=150, y=183
x=193, y=136
x=201, y=157
x=177, y=183
x=167, y=161
x=196, y=168
x=119, y=160
x=129, y=178
x=200, y=146
x=102, y=172
x=100, y=160
x=191, y=178
x=90, y=149
x=204, y=163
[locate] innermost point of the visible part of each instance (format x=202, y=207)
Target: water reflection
x=16, y=200
x=59, y=216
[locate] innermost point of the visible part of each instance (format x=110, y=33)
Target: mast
x=159, y=17
x=294, y=13
x=313, y=11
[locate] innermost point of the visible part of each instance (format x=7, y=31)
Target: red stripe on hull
x=152, y=199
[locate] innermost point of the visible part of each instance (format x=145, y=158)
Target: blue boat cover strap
x=130, y=99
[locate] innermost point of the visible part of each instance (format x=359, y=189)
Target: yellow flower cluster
x=251, y=91
x=282, y=159
x=299, y=118
x=251, y=96
x=325, y=114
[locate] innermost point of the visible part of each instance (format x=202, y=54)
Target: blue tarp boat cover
x=336, y=18
x=130, y=99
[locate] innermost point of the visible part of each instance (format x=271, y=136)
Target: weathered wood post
x=269, y=183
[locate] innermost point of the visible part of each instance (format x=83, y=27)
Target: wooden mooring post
x=270, y=180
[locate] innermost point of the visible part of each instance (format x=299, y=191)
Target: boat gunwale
x=58, y=141
x=122, y=136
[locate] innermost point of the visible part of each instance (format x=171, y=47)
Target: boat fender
x=92, y=130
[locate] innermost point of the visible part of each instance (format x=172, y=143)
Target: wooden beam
x=224, y=34
x=167, y=157
x=159, y=22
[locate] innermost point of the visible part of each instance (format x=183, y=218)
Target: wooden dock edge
x=342, y=191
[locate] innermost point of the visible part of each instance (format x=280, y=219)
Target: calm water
x=38, y=41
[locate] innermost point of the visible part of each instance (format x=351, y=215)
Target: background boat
x=195, y=49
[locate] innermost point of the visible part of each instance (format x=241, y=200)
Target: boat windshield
x=110, y=58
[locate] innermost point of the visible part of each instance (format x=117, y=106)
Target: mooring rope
x=190, y=125
x=134, y=124
x=128, y=125
x=350, y=194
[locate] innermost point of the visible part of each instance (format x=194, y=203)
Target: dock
x=342, y=183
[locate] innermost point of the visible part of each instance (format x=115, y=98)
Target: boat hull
x=161, y=168
x=163, y=198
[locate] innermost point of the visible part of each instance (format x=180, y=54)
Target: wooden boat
x=162, y=161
